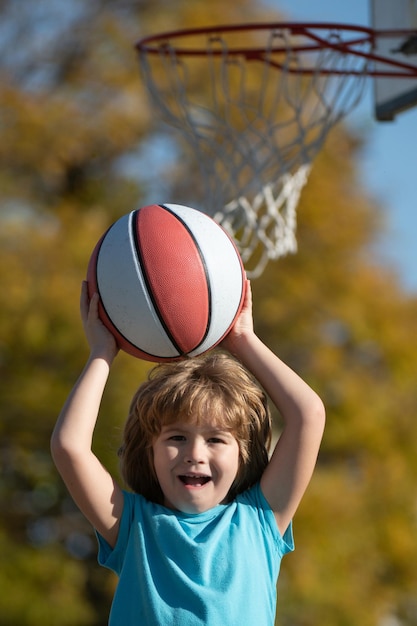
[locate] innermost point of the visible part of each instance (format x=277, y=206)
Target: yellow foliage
x=331, y=311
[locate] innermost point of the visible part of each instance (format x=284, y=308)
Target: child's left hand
x=243, y=326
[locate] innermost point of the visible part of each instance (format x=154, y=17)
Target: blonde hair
x=214, y=384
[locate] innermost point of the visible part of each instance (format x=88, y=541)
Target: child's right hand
x=101, y=341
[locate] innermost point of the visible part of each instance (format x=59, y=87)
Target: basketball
x=171, y=282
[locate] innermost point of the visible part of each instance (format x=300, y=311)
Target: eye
x=216, y=440
x=176, y=438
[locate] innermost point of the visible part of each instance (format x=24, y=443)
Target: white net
x=255, y=119
x=266, y=225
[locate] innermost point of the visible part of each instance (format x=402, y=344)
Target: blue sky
x=389, y=162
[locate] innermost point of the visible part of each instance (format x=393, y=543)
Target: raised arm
x=94, y=491
x=293, y=460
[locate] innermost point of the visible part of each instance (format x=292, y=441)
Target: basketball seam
x=140, y=260
x=106, y=312
x=205, y=268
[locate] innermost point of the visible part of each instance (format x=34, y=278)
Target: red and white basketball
x=171, y=282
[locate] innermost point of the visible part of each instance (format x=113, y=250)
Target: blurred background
x=79, y=148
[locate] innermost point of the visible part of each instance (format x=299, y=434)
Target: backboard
x=393, y=95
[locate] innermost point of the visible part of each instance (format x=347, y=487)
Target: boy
x=201, y=538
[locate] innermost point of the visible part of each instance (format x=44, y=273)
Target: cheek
x=234, y=460
x=159, y=467
x=157, y=458
x=163, y=456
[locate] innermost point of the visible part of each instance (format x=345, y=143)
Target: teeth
x=194, y=479
x=196, y=475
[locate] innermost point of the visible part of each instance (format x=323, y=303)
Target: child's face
x=195, y=464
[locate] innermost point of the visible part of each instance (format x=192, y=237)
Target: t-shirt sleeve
x=113, y=558
x=254, y=497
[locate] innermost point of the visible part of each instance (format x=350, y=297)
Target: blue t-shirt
x=213, y=568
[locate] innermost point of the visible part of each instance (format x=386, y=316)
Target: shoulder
x=136, y=509
x=253, y=504
x=255, y=500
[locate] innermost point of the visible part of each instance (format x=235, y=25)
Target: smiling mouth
x=194, y=480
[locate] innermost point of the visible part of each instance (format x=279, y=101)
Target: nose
x=194, y=452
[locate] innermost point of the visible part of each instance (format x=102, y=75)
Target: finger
x=84, y=300
x=93, y=309
x=248, y=293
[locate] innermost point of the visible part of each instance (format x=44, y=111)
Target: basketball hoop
x=255, y=115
